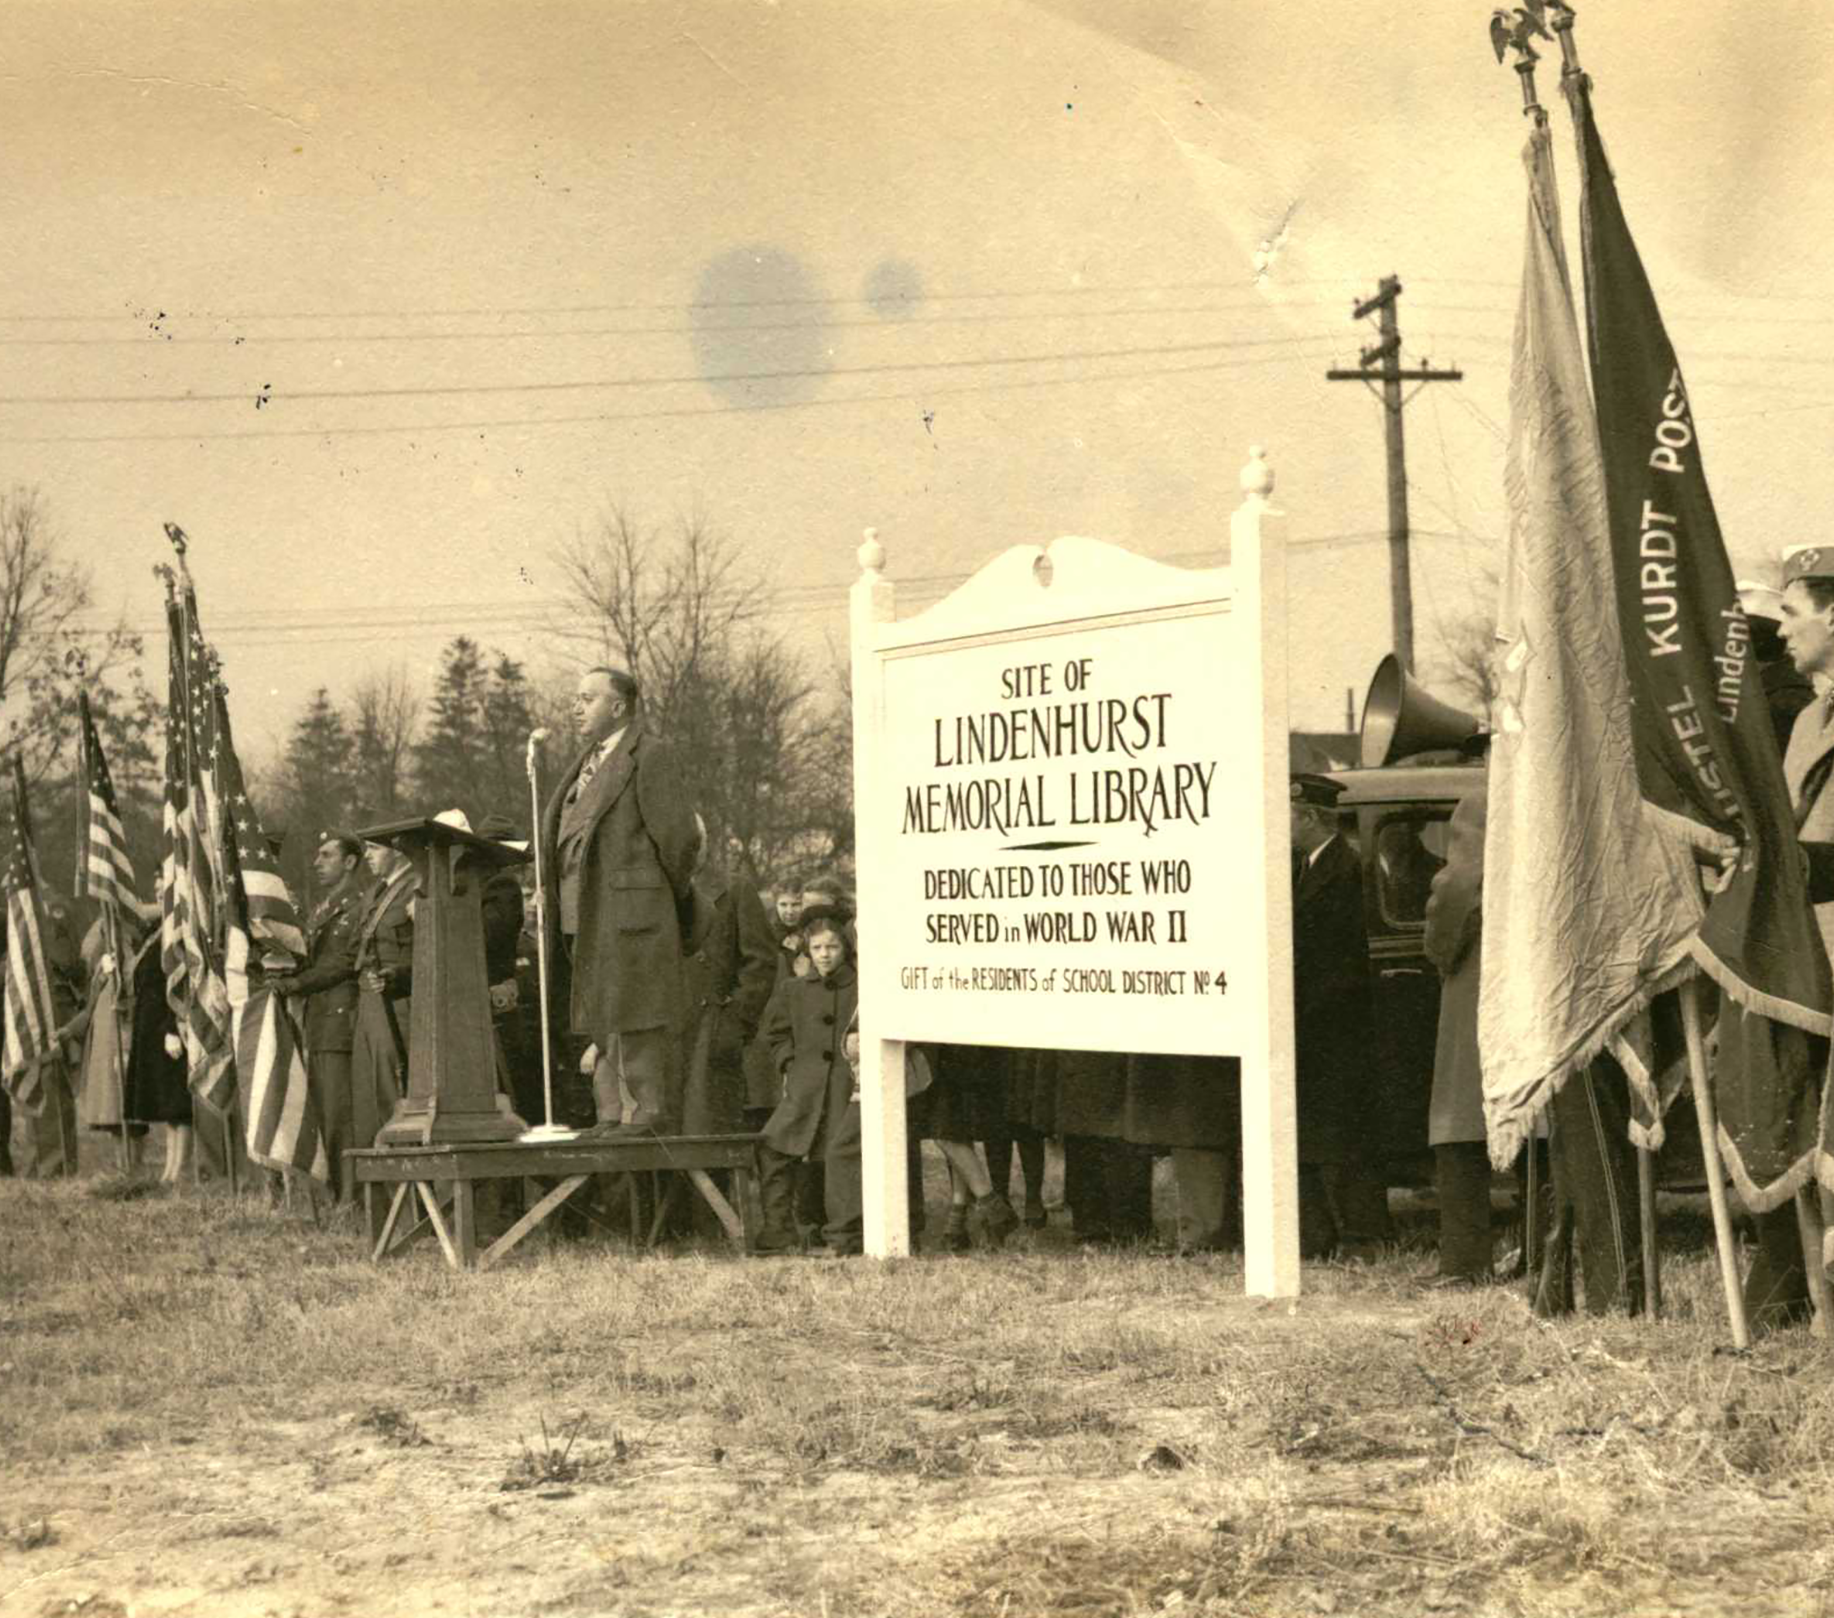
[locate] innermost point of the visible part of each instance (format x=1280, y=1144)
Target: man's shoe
x=997, y=1217
x=955, y=1233
x=775, y=1243
x=600, y=1131
x=647, y=1124
x=1035, y=1216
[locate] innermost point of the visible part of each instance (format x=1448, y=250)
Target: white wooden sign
x=1073, y=832
x=1059, y=816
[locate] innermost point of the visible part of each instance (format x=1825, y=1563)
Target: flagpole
x=1715, y=1170
x=1811, y=1230
x=1652, y=1253
x=548, y=1130
x=199, y=807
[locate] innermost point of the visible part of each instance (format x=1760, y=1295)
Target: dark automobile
x=1421, y=758
x=1397, y=815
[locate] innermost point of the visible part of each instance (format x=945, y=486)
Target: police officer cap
x=1808, y=562
x=1316, y=791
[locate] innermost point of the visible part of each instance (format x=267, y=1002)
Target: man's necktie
x=586, y=772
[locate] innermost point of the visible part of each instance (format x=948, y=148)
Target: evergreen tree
x=451, y=758
x=507, y=719
x=316, y=772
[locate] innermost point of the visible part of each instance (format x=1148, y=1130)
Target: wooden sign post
x=1073, y=832
x=452, y=1072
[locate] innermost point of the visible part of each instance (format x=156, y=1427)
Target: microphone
x=539, y=734
x=536, y=737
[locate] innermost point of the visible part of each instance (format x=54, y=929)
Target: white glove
x=588, y=1064
x=174, y=1046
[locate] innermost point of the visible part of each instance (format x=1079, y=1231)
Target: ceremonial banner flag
x=1705, y=746
x=30, y=1021
x=1589, y=905
x=190, y=869
x=103, y=870
x=264, y=939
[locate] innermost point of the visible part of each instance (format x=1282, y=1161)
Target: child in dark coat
x=819, y=1116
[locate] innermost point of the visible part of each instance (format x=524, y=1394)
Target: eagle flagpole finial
x=1513, y=31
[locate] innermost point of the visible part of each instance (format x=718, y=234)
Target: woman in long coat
x=105, y=1040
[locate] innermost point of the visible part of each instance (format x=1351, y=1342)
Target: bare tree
x=684, y=615
x=385, y=715
x=660, y=604
x=1466, y=666
x=49, y=646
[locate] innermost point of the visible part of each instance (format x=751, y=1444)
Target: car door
x=1403, y=845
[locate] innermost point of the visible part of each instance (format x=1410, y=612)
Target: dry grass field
x=217, y=1408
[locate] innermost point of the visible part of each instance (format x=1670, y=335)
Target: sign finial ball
x=1257, y=476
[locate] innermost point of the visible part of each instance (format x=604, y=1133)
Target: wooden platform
x=434, y=1187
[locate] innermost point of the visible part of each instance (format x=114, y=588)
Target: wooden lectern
x=452, y=1068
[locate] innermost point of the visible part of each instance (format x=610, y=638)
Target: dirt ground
x=217, y=1408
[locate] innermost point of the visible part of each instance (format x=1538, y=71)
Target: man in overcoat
x=619, y=841
x=730, y=976
x=328, y=979
x=1343, y=1203
x=1455, y=1118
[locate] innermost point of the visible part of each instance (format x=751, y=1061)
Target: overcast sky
x=381, y=303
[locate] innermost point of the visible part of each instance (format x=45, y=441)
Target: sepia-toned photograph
x=844, y=810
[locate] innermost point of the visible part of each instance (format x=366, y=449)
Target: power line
x=888, y=324
x=516, y=311
x=594, y=384
x=598, y=418
x=332, y=625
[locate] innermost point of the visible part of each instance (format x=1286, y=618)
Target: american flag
x=264, y=937
x=259, y=898
x=103, y=870
x=190, y=873
x=30, y=1021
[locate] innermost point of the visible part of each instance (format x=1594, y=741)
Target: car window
x=1410, y=847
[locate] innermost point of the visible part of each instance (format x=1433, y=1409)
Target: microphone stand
x=549, y=1131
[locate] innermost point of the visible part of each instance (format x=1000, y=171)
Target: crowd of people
x=685, y=1003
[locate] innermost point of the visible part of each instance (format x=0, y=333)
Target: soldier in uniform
x=328, y=979
x=1787, y=690
x=385, y=988
x=1776, y=1285
x=1343, y=1203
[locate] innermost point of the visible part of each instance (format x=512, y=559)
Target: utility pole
x=1382, y=363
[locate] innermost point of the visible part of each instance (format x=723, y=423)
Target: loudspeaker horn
x=1400, y=717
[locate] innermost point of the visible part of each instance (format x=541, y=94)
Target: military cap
x=1808, y=562
x=1760, y=600
x=1316, y=791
